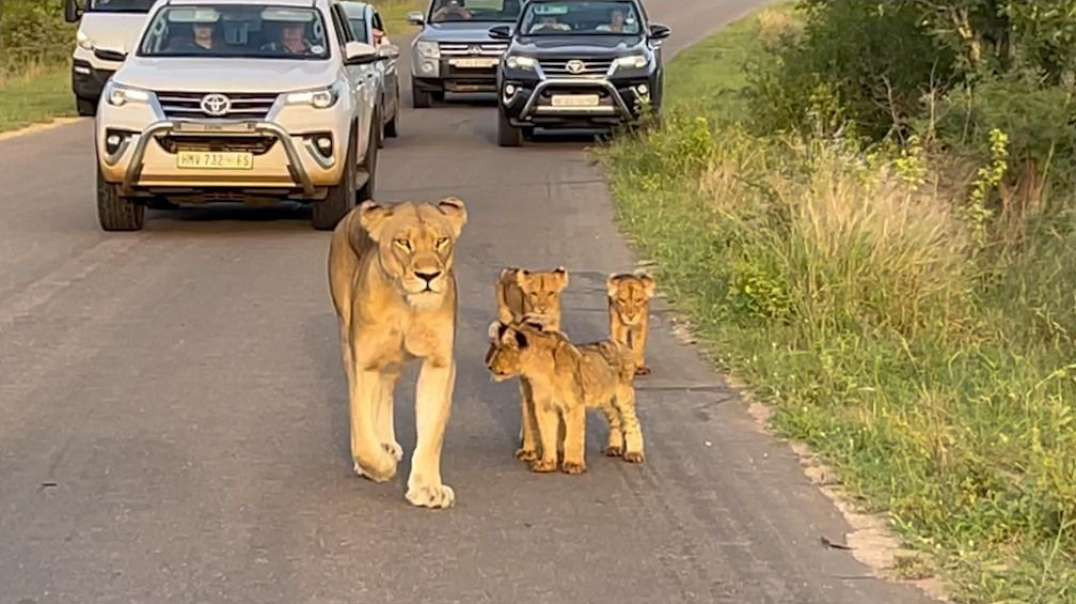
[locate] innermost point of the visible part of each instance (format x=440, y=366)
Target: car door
x=362, y=78
x=390, y=74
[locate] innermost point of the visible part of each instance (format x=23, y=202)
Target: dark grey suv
x=454, y=51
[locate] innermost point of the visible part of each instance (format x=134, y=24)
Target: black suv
x=577, y=64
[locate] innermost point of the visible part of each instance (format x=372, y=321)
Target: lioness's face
x=630, y=296
x=417, y=245
x=503, y=359
x=541, y=293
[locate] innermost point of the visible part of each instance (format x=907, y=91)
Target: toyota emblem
x=576, y=66
x=476, y=50
x=216, y=104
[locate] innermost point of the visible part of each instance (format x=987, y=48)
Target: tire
x=507, y=134
x=114, y=212
x=86, y=107
x=341, y=197
x=369, y=165
x=420, y=99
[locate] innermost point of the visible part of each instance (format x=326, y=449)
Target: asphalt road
x=173, y=416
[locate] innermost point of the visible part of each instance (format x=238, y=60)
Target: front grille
x=590, y=68
x=473, y=49
x=189, y=105
x=257, y=145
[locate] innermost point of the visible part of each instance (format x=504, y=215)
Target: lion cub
x=566, y=379
x=532, y=296
x=629, y=313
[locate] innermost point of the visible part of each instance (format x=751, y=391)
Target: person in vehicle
x=550, y=24
x=202, y=40
x=292, y=40
x=617, y=22
x=452, y=10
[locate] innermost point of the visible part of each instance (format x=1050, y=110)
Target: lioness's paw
x=394, y=449
x=385, y=473
x=527, y=455
x=437, y=497
x=613, y=451
x=644, y=370
x=634, y=457
x=571, y=467
x=540, y=465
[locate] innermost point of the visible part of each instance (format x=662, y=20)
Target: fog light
x=642, y=89
x=428, y=67
x=113, y=142
x=509, y=89
x=324, y=143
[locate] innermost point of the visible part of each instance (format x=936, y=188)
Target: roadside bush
x=33, y=33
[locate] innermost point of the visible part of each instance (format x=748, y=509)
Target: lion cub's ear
x=649, y=285
x=561, y=275
x=508, y=272
x=373, y=216
x=496, y=330
x=456, y=212
x=521, y=276
x=611, y=284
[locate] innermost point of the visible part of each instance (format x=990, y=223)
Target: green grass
x=394, y=13
x=37, y=97
x=940, y=383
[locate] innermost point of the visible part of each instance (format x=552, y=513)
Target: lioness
x=533, y=296
x=394, y=290
x=629, y=313
x=565, y=380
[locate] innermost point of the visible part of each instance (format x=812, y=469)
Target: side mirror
x=72, y=11
x=659, y=32
x=358, y=53
x=388, y=51
x=501, y=32
x=109, y=55
x=416, y=18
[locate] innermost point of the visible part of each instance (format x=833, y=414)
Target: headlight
x=119, y=95
x=517, y=62
x=83, y=41
x=428, y=50
x=632, y=62
x=322, y=98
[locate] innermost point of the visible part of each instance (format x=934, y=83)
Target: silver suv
x=229, y=100
x=454, y=51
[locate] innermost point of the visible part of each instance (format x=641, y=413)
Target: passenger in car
x=292, y=40
x=617, y=20
x=203, y=39
x=452, y=10
x=550, y=23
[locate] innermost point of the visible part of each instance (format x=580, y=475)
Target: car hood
x=113, y=31
x=181, y=74
x=577, y=46
x=460, y=31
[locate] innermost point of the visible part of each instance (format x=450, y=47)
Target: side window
x=377, y=21
x=343, y=33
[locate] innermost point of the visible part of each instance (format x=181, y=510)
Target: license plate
x=214, y=160
x=473, y=62
x=575, y=100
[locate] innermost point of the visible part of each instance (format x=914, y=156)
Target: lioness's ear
x=455, y=211
x=373, y=216
x=508, y=272
x=521, y=276
x=495, y=330
x=521, y=339
x=562, y=277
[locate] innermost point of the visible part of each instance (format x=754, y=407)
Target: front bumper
x=450, y=78
x=531, y=103
x=87, y=81
x=138, y=148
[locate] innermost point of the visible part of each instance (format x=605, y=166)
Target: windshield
x=120, y=6
x=444, y=11
x=599, y=17
x=236, y=30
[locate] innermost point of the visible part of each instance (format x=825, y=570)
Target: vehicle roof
x=302, y=3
